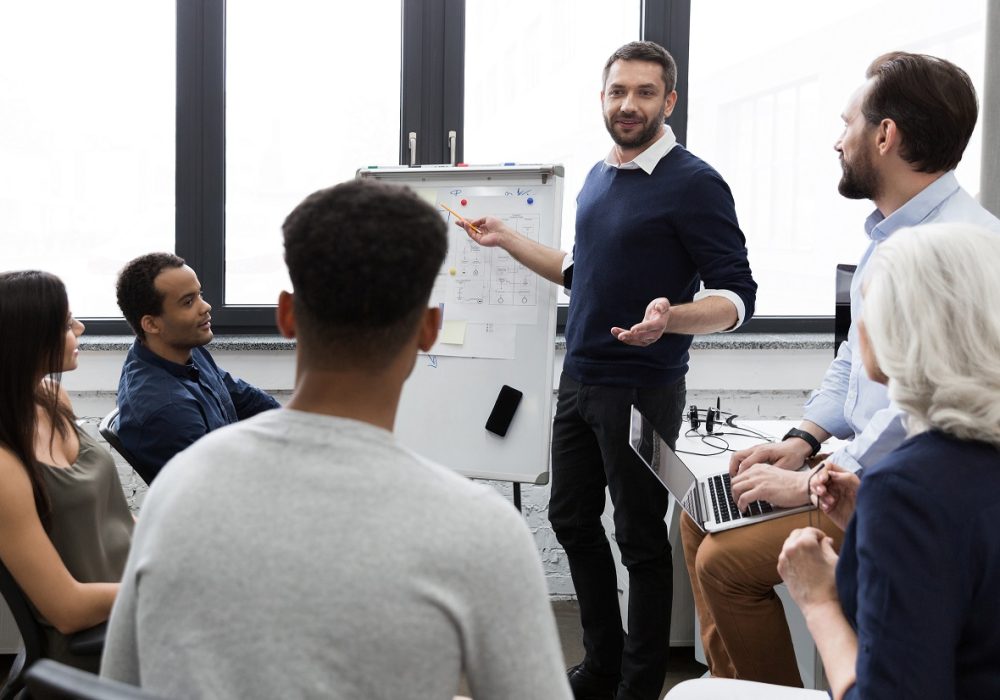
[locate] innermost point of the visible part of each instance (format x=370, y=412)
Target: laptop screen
x=668, y=467
x=647, y=443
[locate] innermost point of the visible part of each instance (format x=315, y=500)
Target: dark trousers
x=590, y=450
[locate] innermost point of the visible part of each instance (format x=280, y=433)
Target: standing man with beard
x=653, y=223
x=905, y=130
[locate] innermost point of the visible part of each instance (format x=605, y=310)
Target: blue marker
x=531, y=200
x=510, y=163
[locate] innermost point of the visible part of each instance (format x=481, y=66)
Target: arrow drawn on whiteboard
x=432, y=361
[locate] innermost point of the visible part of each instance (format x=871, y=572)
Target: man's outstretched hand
x=650, y=329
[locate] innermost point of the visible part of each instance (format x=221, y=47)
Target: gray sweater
x=299, y=555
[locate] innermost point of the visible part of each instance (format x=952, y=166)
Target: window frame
x=431, y=105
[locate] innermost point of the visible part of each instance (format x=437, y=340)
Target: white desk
x=709, y=457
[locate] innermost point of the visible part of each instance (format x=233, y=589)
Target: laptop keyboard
x=725, y=508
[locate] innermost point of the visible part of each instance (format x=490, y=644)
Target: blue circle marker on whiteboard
x=531, y=200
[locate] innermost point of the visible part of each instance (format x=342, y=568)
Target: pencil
x=809, y=492
x=461, y=218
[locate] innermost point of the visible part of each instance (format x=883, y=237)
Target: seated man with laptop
x=171, y=392
x=708, y=500
x=905, y=130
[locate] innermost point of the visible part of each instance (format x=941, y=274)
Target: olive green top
x=91, y=528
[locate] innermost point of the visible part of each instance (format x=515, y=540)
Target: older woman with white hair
x=911, y=608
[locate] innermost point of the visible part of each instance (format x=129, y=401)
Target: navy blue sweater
x=640, y=236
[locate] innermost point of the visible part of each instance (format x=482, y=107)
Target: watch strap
x=806, y=436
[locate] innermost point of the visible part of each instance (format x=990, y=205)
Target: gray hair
x=932, y=313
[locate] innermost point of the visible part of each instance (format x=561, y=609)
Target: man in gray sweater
x=303, y=552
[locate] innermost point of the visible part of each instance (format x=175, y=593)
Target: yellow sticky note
x=453, y=332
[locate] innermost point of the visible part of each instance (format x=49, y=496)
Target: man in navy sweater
x=653, y=223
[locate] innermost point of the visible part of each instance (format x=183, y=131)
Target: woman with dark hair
x=65, y=527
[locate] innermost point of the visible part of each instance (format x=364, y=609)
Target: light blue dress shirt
x=848, y=404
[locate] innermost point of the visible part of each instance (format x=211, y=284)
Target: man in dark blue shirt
x=171, y=392
x=654, y=225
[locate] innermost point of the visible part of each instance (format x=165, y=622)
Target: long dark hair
x=33, y=316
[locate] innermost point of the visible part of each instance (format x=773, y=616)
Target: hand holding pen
x=487, y=231
x=835, y=492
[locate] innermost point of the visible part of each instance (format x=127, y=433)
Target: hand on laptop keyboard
x=724, y=505
x=765, y=482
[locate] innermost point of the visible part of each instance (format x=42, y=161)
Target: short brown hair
x=933, y=103
x=646, y=51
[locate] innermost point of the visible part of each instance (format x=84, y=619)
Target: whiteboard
x=499, y=325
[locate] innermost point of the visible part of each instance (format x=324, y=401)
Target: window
x=767, y=91
x=87, y=140
x=312, y=94
x=533, y=90
x=115, y=142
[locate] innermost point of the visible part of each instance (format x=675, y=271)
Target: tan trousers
x=733, y=575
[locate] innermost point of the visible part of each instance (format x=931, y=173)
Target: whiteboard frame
x=457, y=438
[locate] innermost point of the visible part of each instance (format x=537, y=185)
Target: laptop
x=708, y=500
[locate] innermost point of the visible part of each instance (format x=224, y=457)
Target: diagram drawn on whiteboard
x=490, y=275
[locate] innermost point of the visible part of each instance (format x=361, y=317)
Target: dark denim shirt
x=164, y=407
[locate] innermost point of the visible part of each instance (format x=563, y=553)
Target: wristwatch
x=803, y=435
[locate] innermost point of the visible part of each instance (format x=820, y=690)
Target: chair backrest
x=842, y=306
x=109, y=431
x=29, y=629
x=51, y=680
x=86, y=642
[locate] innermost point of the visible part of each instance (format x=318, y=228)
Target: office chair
x=842, y=306
x=51, y=680
x=87, y=642
x=109, y=431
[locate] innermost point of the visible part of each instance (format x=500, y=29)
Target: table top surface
x=707, y=454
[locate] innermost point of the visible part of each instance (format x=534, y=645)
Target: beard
x=858, y=180
x=645, y=136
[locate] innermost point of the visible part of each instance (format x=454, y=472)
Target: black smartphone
x=503, y=410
